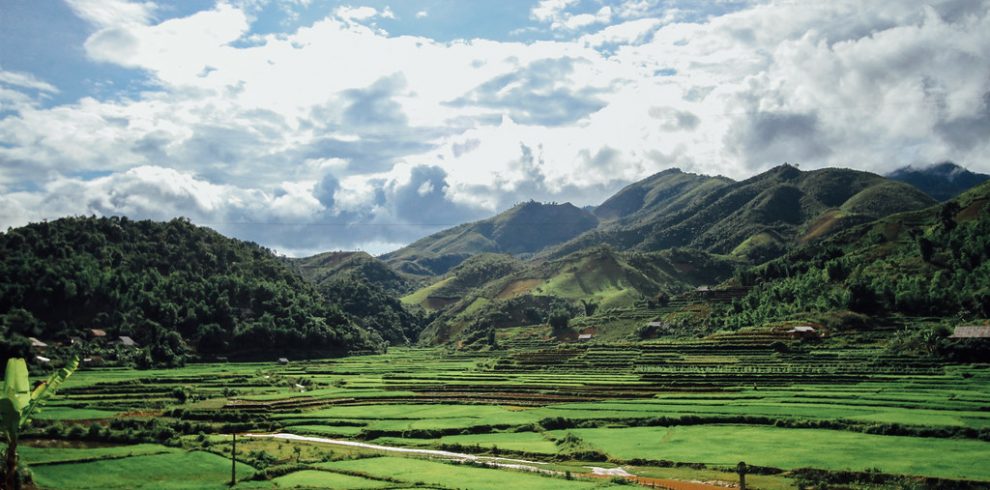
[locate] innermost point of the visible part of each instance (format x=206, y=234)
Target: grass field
x=420, y=472
x=171, y=470
x=794, y=448
x=712, y=401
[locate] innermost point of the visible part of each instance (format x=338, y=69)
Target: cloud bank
x=340, y=135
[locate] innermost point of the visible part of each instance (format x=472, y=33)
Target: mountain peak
x=942, y=181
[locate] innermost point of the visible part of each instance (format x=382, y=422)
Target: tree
x=559, y=321
x=18, y=402
x=947, y=215
x=589, y=307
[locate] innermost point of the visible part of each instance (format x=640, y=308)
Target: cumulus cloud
x=337, y=134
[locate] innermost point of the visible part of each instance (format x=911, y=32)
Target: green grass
x=795, y=448
x=514, y=441
x=326, y=479
x=39, y=455
x=419, y=296
x=175, y=470
x=68, y=413
x=453, y=475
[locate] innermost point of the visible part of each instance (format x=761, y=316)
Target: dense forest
x=173, y=287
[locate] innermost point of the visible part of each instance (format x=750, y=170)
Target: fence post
x=742, y=470
x=233, y=459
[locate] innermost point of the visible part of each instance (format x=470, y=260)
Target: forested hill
x=942, y=181
x=929, y=263
x=173, y=287
x=367, y=290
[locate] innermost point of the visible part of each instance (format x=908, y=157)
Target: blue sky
x=311, y=125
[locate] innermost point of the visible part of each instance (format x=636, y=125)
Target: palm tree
x=18, y=402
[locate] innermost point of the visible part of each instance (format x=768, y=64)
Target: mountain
x=661, y=193
x=942, y=181
x=525, y=229
x=758, y=219
x=367, y=290
x=173, y=287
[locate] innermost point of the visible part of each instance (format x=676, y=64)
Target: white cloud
x=338, y=134
x=422, y=14
x=551, y=10
x=26, y=80
x=109, y=13
x=355, y=14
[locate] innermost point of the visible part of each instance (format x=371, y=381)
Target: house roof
x=42, y=359
x=802, y=329
x=37, y=343
x=125, y=340
x=96, y=332
x=972, y=331
x=584, y=336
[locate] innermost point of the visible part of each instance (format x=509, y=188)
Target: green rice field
x=650, y=412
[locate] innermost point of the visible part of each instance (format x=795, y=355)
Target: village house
x=37, y=345
x=802, y=332
x=127, y=341
x=97, y=334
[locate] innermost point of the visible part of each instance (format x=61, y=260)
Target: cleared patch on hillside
x=518, y=288
x=422, y=295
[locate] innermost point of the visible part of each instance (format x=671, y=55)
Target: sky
x=316, y=125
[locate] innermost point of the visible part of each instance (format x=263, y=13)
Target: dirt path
x=509, y=463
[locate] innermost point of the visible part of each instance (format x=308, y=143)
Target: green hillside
x=367, y=290
x=927, y=263
x=530, y=290
x=759, y=218
x=173, y=287
x=525, y=229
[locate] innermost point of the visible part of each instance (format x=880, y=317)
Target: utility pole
x=742, y=469
x=233, y=459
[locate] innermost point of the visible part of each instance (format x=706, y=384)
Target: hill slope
x=172, y=286
x=758, y=218
x=524, y=229
x=942, y=181
x=933, y=262
x=367, y=290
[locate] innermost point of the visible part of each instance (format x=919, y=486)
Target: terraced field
x=662, y=411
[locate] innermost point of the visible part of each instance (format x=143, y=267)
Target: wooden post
x=233, y=459
x=742, y=470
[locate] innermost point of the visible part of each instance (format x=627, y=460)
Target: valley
x=822, y=327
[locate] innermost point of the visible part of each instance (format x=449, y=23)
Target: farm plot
x=793, y=448
x=422, y=472
x=170, y=470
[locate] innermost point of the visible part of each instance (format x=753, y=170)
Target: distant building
x=802, y=331
x=97, y=334
x=127, y=341
x=971, y=332
x=659, y=327
x=584, y=337
x=37, y=344
x=283, y=360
